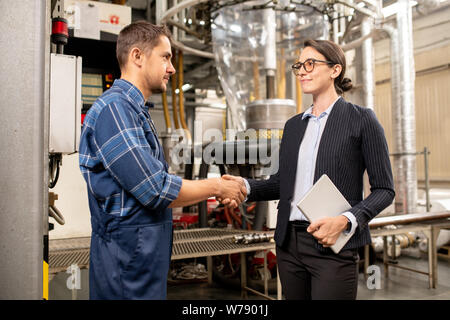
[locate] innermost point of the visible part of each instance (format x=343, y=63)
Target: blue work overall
x=130, y=255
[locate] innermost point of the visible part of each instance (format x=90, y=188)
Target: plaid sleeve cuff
x=172, y=188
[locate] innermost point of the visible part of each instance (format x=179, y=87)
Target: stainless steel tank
x=269, y=113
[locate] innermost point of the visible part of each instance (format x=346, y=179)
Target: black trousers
x=306, y=273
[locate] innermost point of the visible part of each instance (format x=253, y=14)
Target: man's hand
x=229, y=202
x=232, y=191
x=328, y=229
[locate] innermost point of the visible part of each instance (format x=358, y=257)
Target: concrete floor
x=400, y=285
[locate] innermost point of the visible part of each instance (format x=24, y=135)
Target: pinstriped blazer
x=352, y=141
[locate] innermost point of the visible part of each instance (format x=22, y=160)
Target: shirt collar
x=308, y=113
x=131, y=91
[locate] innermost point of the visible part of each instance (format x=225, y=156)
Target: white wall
x=72, y=201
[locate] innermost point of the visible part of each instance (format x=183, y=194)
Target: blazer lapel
x=329, y=137
x=293, y=147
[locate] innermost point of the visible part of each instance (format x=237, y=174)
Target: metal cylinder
x=397, y=131
x=368, y=64
x=269, y=114
x=408, y=119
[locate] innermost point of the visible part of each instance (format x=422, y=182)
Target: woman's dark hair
x=332, y=52
x=141, y=34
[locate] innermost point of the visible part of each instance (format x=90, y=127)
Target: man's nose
x=171, y=69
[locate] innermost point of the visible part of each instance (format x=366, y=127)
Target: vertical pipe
x=24, y=141
x=166, y=112
x=368, y=64
x=397, y=132
x=270, y=54
x=161, y=8
x=281, y=91
x=407, y=76
x=335, y=25
x=367, y=78
x=427, y=179
x=173, y=79
x=256, y=92
x=298, y=89
x=181, y=96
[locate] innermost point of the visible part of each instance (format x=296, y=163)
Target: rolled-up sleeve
x=126, y=154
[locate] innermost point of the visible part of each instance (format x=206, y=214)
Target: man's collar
x=132, y=91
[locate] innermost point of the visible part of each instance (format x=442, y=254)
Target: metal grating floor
x=65, y=252
x=61, y=260
x=203, y=248
x=191, y=243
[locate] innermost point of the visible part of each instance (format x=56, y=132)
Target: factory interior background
x=233, y=82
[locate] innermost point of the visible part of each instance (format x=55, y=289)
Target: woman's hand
x=327, y=230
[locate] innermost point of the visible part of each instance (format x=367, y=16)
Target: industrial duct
x=406, y=100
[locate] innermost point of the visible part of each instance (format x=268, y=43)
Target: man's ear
x=136, y=56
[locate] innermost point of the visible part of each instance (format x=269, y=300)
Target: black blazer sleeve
x=265, y=190
x=376, y=157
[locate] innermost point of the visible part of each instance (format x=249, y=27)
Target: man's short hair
x=141, y=34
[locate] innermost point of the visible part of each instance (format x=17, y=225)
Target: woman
x=342, y=140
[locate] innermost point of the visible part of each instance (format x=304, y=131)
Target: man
x=129, y=189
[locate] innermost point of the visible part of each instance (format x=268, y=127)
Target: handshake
x=232, y=191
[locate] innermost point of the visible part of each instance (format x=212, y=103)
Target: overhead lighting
x=393, y=9
x=185, y=87
x=236, y=28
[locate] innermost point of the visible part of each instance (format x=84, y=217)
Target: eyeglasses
x=308, y=65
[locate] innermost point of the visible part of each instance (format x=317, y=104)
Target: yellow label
x=45, y=280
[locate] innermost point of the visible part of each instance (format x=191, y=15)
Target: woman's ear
x=337, y=69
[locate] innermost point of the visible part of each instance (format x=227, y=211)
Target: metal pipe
x=298, y=89
x=397, y=132
x=358, y=42
x=173, y=80
x=363, y=10
x=256, y=92
x=160, y=8
x=181, y=97
x=178, y=45
x=368, y=64
x=270, y=53
x=408, y=218
x=184, y=28
x=166, y=112
x=335, y=25
x=408, y=119
x=281, y=90
x=427, y=179
x=179, y=7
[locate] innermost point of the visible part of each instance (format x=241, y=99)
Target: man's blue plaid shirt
x=121, y=158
